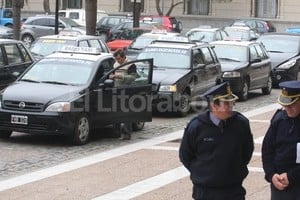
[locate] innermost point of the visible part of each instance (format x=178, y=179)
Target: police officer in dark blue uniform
x=281, y=145
x=216, y=147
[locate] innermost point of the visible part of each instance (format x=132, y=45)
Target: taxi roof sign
x=82, y=50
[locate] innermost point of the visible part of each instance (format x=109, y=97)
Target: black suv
x=182, y=71
x=14, y=59
x=104, y=25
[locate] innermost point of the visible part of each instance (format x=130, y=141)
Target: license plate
x=19, y=119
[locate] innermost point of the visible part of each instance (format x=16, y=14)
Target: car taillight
x=267, y=26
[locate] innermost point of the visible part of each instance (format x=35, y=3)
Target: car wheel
x=243, y=95
x=184, y=105
x=5, y=134
x=138, y=126
x=82, y=130
x=268, y=89
x=27, y=39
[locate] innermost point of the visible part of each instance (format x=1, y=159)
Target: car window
x=83, y=43
x=13, y=53
x=197, y=57
x=40, y=22
x=260, y=25
x=232, y=52
x=25, y=53
x=74, y=15
x=207, y=55
x=260, y=52
x=50, y=70
x=253, y=53
x=45, y=47
x=1, y=59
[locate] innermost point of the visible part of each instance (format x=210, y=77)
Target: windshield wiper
x=29, y=80
x=276, y=51
x=55, y=82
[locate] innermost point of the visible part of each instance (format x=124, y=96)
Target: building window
x=72, y=4
x=128, y=6
x=266, y=8
x=8, y=3
x=198, y=7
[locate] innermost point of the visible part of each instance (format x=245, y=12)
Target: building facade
x=286, y=10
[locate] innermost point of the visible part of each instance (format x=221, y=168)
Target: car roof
x=179, y=45
x=81, y=56
x=204, y=29
x=69, y=37
x=233, y=42
x=281, y=34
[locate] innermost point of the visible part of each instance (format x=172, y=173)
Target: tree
x=172, y=6
x=91, y=16
x=16, y=7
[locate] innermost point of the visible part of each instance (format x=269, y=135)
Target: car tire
x=268, y=89
x=243, y=95
x=184, y=105
x=5, y=134
x=82, y=130
x=27, y=39
x=138, y=126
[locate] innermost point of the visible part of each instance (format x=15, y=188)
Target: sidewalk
x=144, y=170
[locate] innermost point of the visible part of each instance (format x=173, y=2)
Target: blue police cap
x=222, y=92
x=290, y=92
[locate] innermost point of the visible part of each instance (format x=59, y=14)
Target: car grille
x=23, y=106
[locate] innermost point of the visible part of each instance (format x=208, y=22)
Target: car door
x=13, y=63
x=197, y=84
x=258, y=69
x=126, y=103
x=41, y=27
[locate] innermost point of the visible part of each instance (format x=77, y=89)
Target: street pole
x=56, y=18
x=136, y=12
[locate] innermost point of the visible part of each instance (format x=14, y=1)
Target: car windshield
x=236, y=33
x=64, y=71
x=204, y=36
x=140, y=43
x=231, y=52
x=167, y=57
x=280, y=44
x=46, y=47
x=70, y=22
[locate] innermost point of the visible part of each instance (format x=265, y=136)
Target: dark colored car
x=171, y=24
x=14, y=59
x=206, y=34
x=41, y=25
x=104, y=25
x=182, y=71
x=284, y=50
x=70, y=93
x=262, y=26
x=114, y=31
x=245, y=65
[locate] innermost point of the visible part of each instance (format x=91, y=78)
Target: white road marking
x=83, y=162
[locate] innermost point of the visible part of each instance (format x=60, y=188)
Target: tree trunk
x=158, y=9
x=16, y=7
x=173, y=5
x=91, y=16
x=46, y=6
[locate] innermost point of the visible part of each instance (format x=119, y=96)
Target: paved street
x=145, y=169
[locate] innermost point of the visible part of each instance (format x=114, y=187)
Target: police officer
x=281, y=145
x=216, y=147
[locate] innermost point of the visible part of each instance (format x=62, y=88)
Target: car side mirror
x=256, y=60
x=108, y=83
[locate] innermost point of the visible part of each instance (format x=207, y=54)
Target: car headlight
x=168, y=88
x=287, y=65
x=231, y=74
x=59, y=107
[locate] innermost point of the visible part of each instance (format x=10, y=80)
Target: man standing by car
x=123, y=76
x=281, y=145
x=216, y=147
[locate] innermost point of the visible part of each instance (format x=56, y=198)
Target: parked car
x=69, y=93
x=206, y=34
x=41, y=25
x=114, y=31
x=78, y=15
x=6, y=32
x=242, y=33
x=245, y=65
x=104, y=25
x=49, y=44
x=171, y=24
x=261, y=25
x=284, y=50
x=125, y=38
x=182, y=71
x=145, y=39
x=14, y=60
